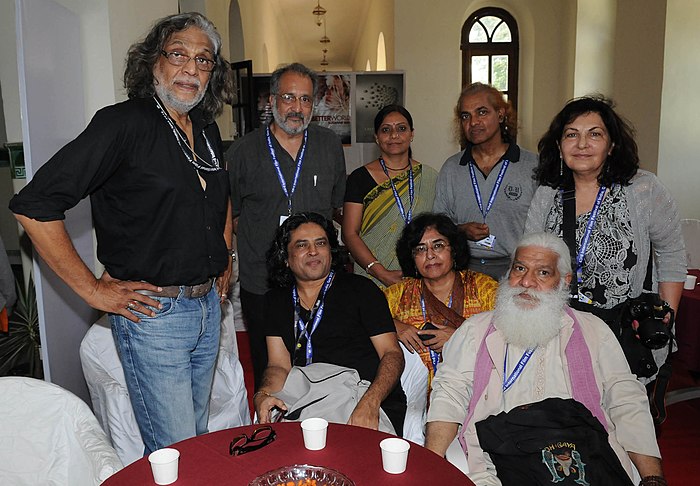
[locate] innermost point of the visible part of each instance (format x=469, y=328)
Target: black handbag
x=555, y=441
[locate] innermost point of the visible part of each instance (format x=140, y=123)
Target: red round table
x=354, y=451
x=688, y=326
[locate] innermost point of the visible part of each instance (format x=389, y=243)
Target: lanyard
x=508, y=382
x=411, y=192
x=494, y=191
x=434, y=357
x=587, y=234
x=315, y=318
x=180, y=139
x=280, y=177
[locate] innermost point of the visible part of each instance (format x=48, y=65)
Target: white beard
x=170, y=99
x=525, y=326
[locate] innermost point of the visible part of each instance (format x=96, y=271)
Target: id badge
x=487, y=242
x=584, y=298
x=283, y=218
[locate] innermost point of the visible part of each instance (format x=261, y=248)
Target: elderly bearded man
x=284, y=168
x=161, y=209
x=532, y=347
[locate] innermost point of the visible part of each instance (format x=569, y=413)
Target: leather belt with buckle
x=189, y=291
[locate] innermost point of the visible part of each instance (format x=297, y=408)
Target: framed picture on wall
x=373, y=91
x=332, y=108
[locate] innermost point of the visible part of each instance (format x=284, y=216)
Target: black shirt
x=355, y=310
x=259, y=200
x=153, y=220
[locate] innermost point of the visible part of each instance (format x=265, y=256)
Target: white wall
x=679, y=167
x=427, y=48
x=380, y=18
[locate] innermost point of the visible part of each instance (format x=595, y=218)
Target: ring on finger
x=131, y=305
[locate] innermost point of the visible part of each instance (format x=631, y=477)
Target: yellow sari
x=404, y=302
x=382, y=222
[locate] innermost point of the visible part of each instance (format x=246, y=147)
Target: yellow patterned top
x=404, y=301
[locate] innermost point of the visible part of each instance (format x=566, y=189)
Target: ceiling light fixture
x=319, y=12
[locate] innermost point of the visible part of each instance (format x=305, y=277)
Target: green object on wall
x=16, y=150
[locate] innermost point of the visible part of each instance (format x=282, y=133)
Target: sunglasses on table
x=260, y=437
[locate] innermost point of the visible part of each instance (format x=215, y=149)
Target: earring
x=561, y=166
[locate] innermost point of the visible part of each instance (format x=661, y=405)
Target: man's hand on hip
x=121, y=297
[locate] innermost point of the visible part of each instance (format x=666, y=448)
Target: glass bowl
x=302, y=475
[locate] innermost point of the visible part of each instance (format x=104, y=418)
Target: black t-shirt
x=355, y=310
x=153, y=220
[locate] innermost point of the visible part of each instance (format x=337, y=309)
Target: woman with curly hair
x=621, y=212
x=434, y=254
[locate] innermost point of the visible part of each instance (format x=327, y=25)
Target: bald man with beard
x=519, y=353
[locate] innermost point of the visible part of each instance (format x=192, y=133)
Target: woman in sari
x=440, y=290
x=382, y=197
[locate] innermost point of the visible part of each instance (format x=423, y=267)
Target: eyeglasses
x=290, y=99
x=260, y=437
x=436, y=246
x=179, y=59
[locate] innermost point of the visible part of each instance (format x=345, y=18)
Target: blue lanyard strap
x=315, y=318
x=280, y=177
x=508, y=382
x=587, y=234
x=494, y=191
x=411, y=191
x=434, y=357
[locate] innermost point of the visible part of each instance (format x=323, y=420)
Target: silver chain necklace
x=213, y=167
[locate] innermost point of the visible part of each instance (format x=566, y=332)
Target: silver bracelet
x=369, y=265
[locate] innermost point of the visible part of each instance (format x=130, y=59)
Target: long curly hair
x=509, y=125
x=278, y=272
x=619, y=167
x=142, y=57
x=413, y=232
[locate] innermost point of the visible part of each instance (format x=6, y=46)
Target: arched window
x=490, y=50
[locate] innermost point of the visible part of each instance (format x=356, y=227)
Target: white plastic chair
x=414, y=381
x=228, y=405
x=50, y=436
x=691, y=236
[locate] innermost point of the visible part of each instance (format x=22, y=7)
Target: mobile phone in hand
x=425, y=327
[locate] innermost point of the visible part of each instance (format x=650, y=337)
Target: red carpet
x=679, y=435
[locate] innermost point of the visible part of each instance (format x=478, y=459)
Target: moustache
x=191, y=82
x=294, y=114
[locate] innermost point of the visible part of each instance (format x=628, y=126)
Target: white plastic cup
x=164, y=464
x=314, y=430
x=394, y=454
x=690, y=281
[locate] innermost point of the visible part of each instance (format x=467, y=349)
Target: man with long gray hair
x=278, y=170
x=542, y=393
x=152, y=167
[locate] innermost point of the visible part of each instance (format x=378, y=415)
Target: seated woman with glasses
x=439, y=293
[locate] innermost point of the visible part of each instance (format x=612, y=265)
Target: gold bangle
x=369, y=265
x=261, y=392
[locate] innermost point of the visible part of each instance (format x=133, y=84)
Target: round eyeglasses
x=290, y=99
x=243, y=444
x=422, y=249
x=179, y=59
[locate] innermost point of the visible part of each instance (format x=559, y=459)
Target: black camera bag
x=639, y=357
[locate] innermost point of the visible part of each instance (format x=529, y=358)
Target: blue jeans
x=169, y=363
